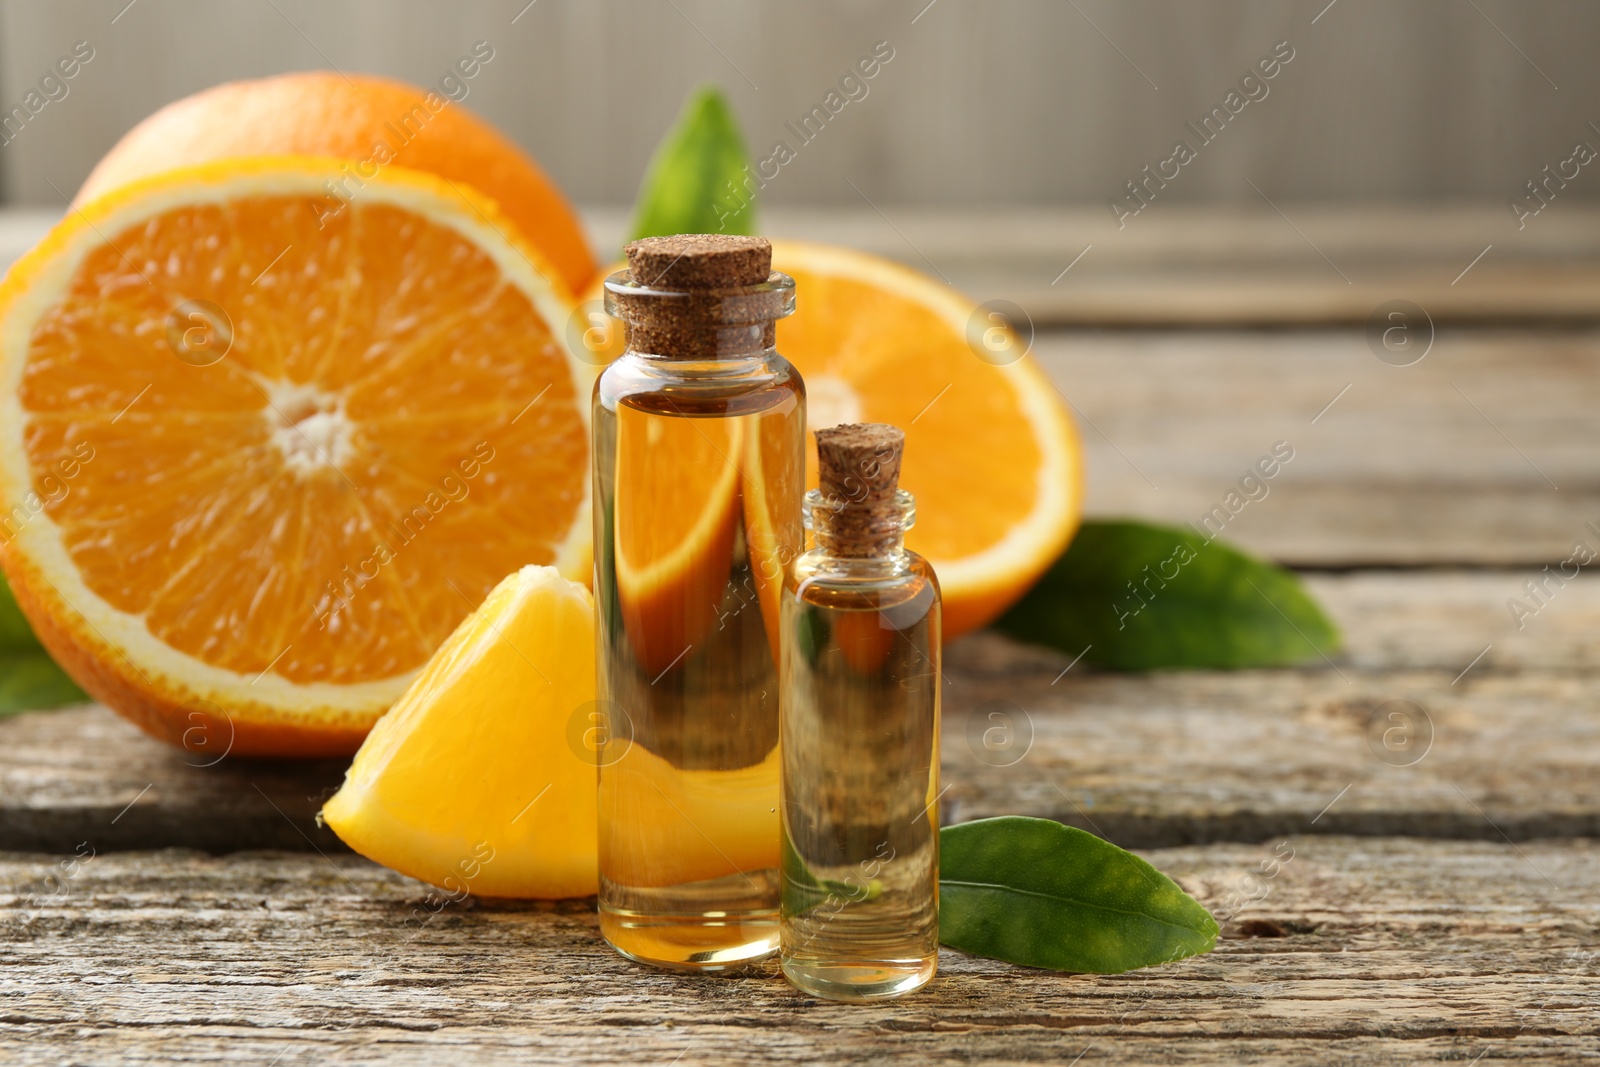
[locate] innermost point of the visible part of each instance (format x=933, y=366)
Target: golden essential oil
x=860, y=734
x=699, y=431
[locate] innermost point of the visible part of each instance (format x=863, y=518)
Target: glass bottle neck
x=878, y=552
x=892, y=564
x=702, y=325
x=719, y=368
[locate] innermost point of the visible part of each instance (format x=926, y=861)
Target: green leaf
x=1139, y=597
x=30, y=681
x=803, y=890
x=15, y=633
x=1035, y=892
x=696, y=182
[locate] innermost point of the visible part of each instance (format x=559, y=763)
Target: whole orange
x=368, y=121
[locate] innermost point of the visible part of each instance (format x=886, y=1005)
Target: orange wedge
x=479, y=779
x=991, y=454
x=261, y=452
x=667, y=825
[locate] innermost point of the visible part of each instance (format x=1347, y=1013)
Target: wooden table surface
x=1439, y=904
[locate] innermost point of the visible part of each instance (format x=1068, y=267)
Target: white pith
x=309, y=427
x=831, y=401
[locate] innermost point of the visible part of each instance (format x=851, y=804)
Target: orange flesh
x=900, y=357
x=660, y=519
x=335, y=494
x=774, y=541
x=674, y=535
x=479, y=760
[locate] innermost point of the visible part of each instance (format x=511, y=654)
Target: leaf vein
x=943, y=882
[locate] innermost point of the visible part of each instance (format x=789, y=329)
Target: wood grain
x=1351, y=951
x=1443, y=619
x=1474, y=456
x=1183, y=757
x=85, y=774
x=1220, y=266
x=1148, y=760
x=1429, y=913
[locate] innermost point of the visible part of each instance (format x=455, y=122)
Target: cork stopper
x=859, y=478
x=700, y=296
x=700, y=261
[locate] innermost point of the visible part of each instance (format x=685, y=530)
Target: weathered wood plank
x=1189, y=265
x=1185, y=757
x=85, y=774
x=1476, y=455
x=1356, y=951
x=1151, y=760
x=1443, y=619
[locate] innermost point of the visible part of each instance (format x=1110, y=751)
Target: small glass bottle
x=860, y=733
x=699, y=453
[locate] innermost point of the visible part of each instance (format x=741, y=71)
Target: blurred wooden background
x=1005, y=102
x=1377, y=168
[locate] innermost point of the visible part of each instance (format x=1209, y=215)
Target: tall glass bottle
x=699, y=437
x=860, y=733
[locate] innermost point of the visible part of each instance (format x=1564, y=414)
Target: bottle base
x=698, y=944
x=860, y=982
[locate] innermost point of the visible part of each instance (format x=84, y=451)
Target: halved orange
x=991, y=454
x=305, y=438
